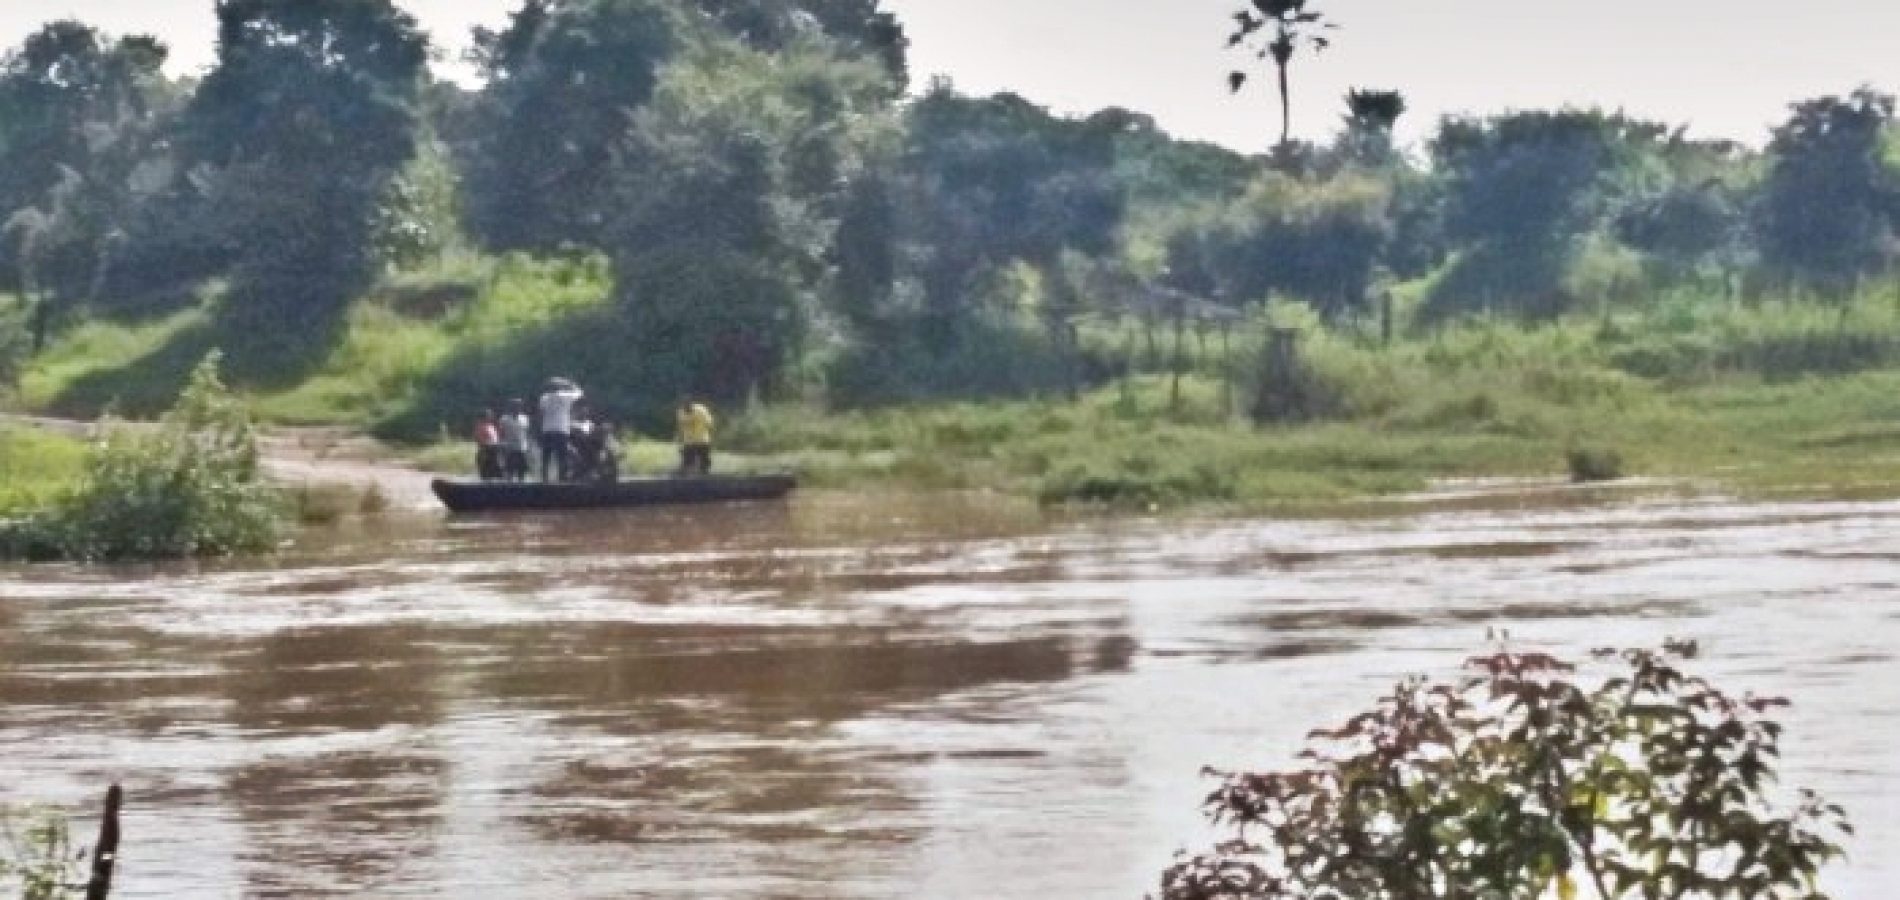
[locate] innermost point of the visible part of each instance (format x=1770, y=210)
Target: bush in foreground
x=1589, y=464
x=38, y=860
x=189, y=488
x=1518, y=782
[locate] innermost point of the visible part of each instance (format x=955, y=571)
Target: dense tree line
x=761, y=187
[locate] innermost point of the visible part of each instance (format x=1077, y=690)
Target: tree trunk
x=1227, y=371
x=42, y=321
x=1129, y=367
x=1180, y=351
x=1286, y=108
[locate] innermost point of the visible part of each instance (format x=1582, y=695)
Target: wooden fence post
x=106, y=852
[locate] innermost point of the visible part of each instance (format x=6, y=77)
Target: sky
x=1726, y=68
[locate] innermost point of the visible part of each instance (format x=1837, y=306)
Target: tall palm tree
x=1289, y=25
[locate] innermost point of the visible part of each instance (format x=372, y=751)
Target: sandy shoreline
x=303, y=457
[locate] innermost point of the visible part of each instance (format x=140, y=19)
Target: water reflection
x=336, y=823
x=950, y=697
x=335, y=679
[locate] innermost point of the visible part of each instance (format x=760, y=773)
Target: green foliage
x=83, y=113
x=419, y=216
x=38, y=860
x=1593, y=463
x=729, y=186
x=35, y=468
x=991, y=358
x=996, y=181
x=15, y=345
x=1521, y=779
x=1523, y=189
x=1371, y=117
x=1318, y=241
x=1685, y=227
x=858, y=26
x=297, y=133
x=564, y=80
x=189, y=488
x=1829, y=207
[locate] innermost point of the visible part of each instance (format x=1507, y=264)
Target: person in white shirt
x=517, y=441
x=557, y=420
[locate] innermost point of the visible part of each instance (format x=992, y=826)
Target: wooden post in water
x=106, y=853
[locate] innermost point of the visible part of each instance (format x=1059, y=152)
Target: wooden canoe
x=495, y=496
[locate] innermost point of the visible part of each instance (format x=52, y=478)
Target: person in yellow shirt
x=695, y=437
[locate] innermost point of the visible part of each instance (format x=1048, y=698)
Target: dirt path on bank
x=304, y=456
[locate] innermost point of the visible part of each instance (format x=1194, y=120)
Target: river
x=851, y=697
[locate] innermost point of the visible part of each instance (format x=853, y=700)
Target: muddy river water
x=938, y=697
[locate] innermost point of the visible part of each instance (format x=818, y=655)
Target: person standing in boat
x=488, y=447
x=557, y=420
x=695, y=437
x=516, y=441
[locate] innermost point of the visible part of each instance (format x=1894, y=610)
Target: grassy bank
x=35, y=467
x=1770, y=396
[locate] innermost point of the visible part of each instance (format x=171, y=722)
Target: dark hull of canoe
x=474, y=496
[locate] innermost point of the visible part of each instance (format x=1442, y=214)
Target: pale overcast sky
x=1727, y=67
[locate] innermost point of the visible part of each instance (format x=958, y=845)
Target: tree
x=1686, y=229
x=864, y=254
x=1522, y=190
x=1318, y=241
x=999, y=180
x=1286, y=26
x=860, y=27
x=82, y=113
x=728, y=191
x=297, y=133
x=1371, y=118
x=564, y=82
x=1518, y=781
x=1826, y=213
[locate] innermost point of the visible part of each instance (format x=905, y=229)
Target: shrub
x=1652, y=783
x=374, y=501
x=189, y=488
x=38, y=860
x=1137, y=481
x=35, y=467
x=1592, y=464
x=322, y=504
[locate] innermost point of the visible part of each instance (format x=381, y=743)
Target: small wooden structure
x=1153, y=303
x=105, y=854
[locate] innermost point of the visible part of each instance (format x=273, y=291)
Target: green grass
x=35, y=467
x=1774, y=396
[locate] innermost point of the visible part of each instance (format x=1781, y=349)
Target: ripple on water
x=843, y=699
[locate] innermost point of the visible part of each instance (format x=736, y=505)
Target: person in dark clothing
x=596, y=454
x=488, y=451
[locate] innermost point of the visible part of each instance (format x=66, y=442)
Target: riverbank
x=328, y=472
x=1136, y=446
x=1772, y=398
